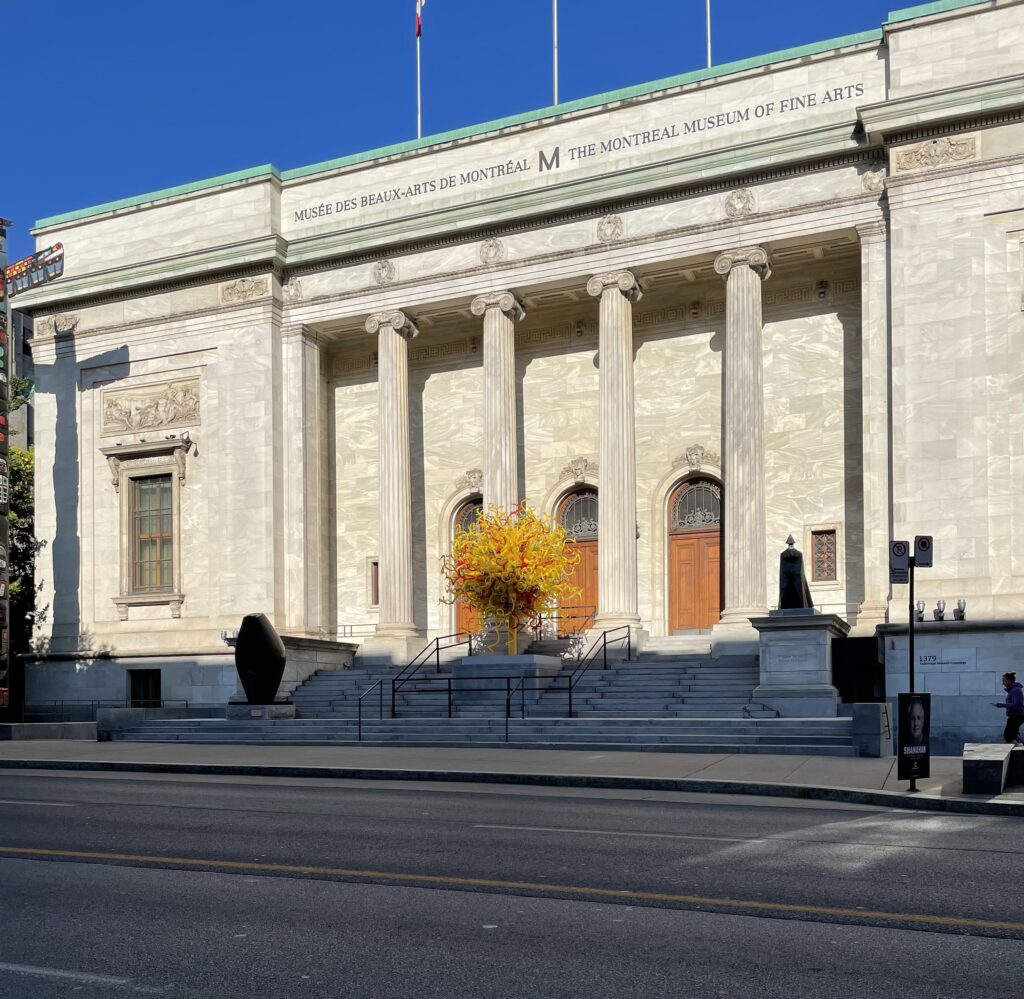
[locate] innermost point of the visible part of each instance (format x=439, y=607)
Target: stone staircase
x=818, y=737
x=674, y=697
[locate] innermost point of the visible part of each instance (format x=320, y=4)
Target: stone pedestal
x=482, y=679
x=796, y=662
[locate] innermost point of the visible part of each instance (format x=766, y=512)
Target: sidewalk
x=864, y=781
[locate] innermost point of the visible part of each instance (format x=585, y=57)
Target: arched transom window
x=466, y=515
x=578, y=514
x=696, y=506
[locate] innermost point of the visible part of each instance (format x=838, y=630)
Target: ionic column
x=875, y=421
x=500, y=311
x=616, y=551
x=745, y=559
x=394, y=330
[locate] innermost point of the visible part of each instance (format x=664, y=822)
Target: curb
x=806, y=792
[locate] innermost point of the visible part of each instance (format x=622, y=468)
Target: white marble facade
x=330, y=360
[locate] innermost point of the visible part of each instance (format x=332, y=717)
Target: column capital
x=625, y=281
x=396, y=319
x=873, y=231
x=754, y=257
x=504, y=300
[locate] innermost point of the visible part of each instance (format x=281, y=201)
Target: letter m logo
x=549, y=162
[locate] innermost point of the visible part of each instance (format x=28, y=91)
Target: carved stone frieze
x=384, y=273
x=504, y=300
x=610, y=228
x=492, y=251
x=65, y=322
x=473, y=480
x=244, y=290
x=152, y=407
x=740, y=203
x=292, y=291
x=937, y=152
x=580, y=469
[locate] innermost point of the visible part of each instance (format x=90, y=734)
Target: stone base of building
x=243, y=711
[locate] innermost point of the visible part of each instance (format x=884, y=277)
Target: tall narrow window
x=823, y=555
x=152, y=519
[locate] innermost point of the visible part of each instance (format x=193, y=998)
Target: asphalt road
x=127, y=885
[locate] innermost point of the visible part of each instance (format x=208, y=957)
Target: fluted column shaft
x=616, y=552
x=875, y=422
x=744, y=543
x=394, y=330
x=500, y=312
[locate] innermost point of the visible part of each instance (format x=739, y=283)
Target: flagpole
x=707, y=20
x=554, y=22
x=419, y=93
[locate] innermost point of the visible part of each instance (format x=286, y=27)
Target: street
x=222, y=887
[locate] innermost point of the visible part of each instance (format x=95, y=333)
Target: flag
x=420, y=4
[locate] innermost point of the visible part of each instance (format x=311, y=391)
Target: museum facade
x=687, y=320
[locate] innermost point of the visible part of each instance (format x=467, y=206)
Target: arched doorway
x=577, y=513
x=694, y=555
x=467, y=619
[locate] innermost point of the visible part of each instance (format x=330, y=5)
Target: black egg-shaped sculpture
x=259, y=659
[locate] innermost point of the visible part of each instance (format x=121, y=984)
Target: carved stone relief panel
x=580, y=469
x=151, y=407
x=244, y=289
x=937, y=152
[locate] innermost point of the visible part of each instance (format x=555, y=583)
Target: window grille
x=823, y=556
x=465, y=519
x=697, y=506
x=579, y=515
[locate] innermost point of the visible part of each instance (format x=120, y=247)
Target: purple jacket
x=1014, y=702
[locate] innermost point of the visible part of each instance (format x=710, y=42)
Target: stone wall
x=960, y=664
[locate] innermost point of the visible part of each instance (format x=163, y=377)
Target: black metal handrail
x=600, y=646
x=379, y=685
x=423, y=657
x=582, y=613
x=510, y=690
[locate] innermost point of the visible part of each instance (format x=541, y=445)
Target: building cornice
x=981, y=101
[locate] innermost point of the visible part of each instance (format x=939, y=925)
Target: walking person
x=1014, y=705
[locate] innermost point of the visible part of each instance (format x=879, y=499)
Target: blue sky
x=110, y=99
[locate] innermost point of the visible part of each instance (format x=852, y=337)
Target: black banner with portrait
x=913, y=733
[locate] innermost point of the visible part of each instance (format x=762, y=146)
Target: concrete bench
x=987, y=766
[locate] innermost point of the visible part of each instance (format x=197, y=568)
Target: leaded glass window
x=465, y=518
x=823, y=556
x=696, y=506
x=579, y=515
x=152, y=534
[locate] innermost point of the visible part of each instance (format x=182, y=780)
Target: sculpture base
x=796, y=662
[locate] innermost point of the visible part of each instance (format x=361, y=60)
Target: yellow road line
x=531, y=886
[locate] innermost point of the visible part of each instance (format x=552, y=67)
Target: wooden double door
x=695, y=580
